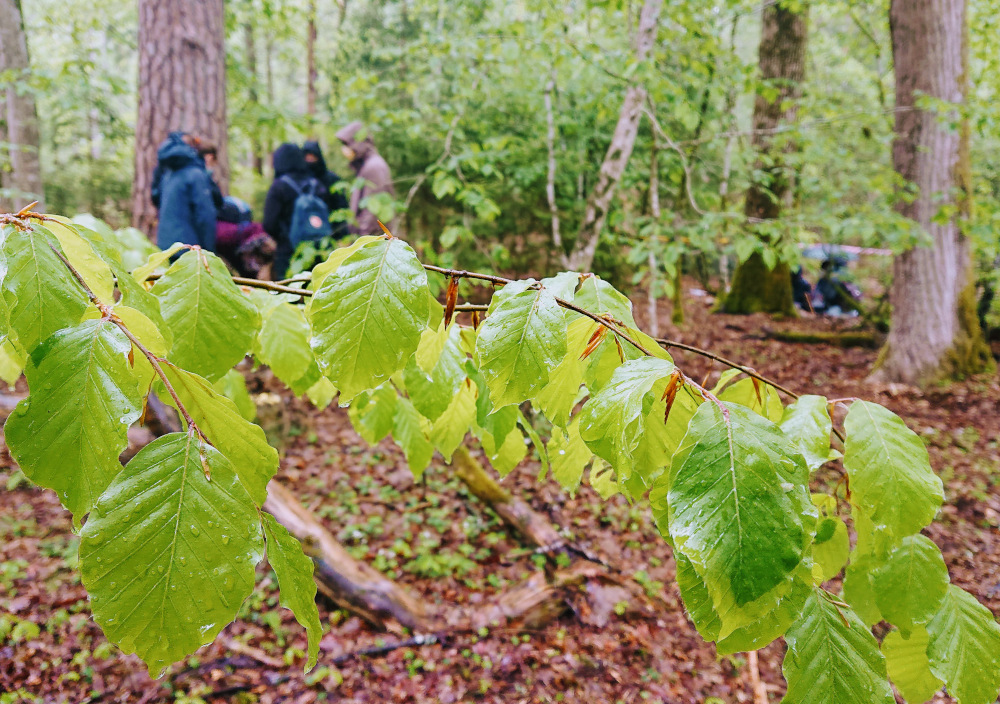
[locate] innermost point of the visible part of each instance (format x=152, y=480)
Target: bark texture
x=781, y=57
x=182, y=86
x=20, y=168
x=619, y=151
x=934, y=331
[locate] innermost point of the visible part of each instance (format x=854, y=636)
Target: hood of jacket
x=361, y=147
x=174, y=153
x=316, y=168
x=288, y=159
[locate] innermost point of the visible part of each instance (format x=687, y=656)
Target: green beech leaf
x=910, y=585
x=155, y=261
x=336, y=258
x=694, y=594
x=432, y=342
x=521, y=342
x=367, y=316
x=373, y=413
x=322, y=393
x=602, y=479
x=562, y=285
x=234, y=387
x=39, y=291
x=807, y=424
x=504, y=444
x=964, y=648
x=536, y=440
x=569, y=455
x=831, y=549
x=433, y=391
x=94, y=270
x=614, y=421
x=70, y=441
x=451, y=427
x=833, y=658
x=410, y=431
x=599, y=297
x=858, y=590
x=213, y=323
x=242, y=442
x=283, y=345
x=296, y=583
x=892, y=482
x=134, y=295
x=909, y=668
x=560, y=393
x=739, y=509
x=760, y=398
x=168, y=556
x=11, y=363
x=771, y=624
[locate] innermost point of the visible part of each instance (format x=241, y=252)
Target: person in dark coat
x=182, y=191
x=316, y=164
x=369, y=165
x=279, y=205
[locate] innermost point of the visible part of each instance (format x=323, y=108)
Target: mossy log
x=836, y=339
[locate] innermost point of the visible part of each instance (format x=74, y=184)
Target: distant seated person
x=182, y=191
x=801, y=290
x=834, y=296
x=241, y=241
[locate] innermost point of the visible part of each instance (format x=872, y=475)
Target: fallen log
x=513, y=511
x=349, y=583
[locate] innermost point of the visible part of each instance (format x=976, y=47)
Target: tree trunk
x=781, y=55
x=19, y=136
x=934, y=331
x=256, y=148
x=182, y=86
x=619, y=151
x=311, y=75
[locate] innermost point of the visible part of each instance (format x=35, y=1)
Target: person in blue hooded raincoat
x=182, y=192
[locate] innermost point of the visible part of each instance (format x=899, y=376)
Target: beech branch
x=154, y=361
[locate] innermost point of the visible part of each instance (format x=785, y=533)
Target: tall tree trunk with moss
x=782, y=54
x=934, y=332
x=20, y=169
x=182, y=86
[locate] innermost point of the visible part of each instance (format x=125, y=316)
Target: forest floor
x=615, y=645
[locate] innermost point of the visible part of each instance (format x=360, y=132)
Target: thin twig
x=255, y=283
x=154, y=361
x=746, y=370
x=417, y=640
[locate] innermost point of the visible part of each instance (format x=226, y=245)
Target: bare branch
x=550, y=141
